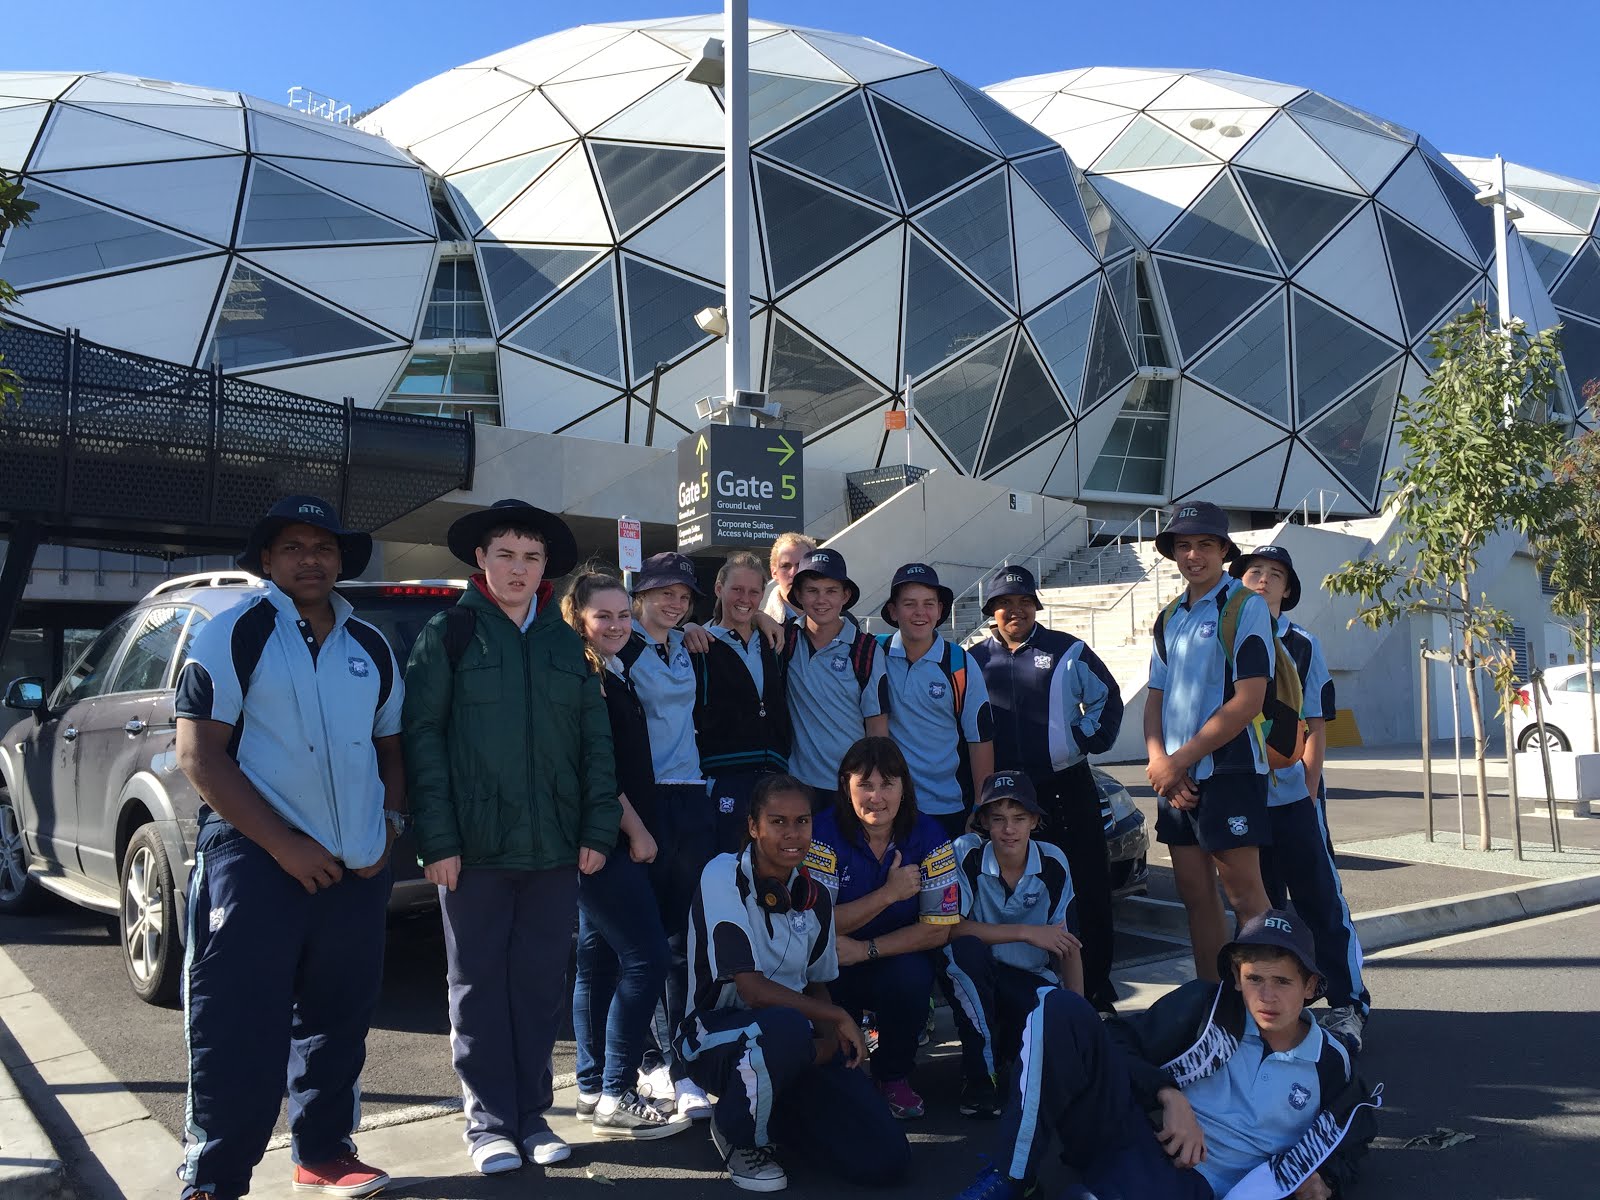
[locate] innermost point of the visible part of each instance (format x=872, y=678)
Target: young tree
x=14, y=210
x=1478, y=451
x=1569, y=550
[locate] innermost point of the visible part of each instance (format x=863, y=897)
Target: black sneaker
x=637, y=1119
x=980, y=1098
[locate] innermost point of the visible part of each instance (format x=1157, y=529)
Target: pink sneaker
x=903, y=1103
x=343, y=1176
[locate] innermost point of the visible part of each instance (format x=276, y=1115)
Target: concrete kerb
x=1407, y=922
x=29, y=1167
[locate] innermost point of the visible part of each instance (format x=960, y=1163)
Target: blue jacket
x=1054, y=702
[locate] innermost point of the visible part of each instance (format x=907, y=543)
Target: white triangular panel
x=636, y=52
x=1245, y=486
x=1262, y=89
x=1050, y=258
x=1066, y=112
x=398, y=192
x=535, y=395
x=609, y=423
x=790, y=54
x=700, y=375
x=1368, y=157
x=866, y=64
x=1029, y=473
x=198, y=196
x=1085, y=143
x=530, y=124
x=857, y=445
x=929, y=94
x=106, y=89
x=854, y=308
x=1351, y=273
x=117, y=309
x=1028, y=109
x=1098, y=76
x=543, y=57
x=562, y=206
x=385, y=284
x=1307, y=475
x=678, y=113
x=1413, y=193
x=365, y=379
x=221, y=127
x=1212, y=434
x=448, y=99
x=77, y=137
x=689, y=236
x=36, y=85
x=1283, y=148
x=1197, y=91
x=18, y=129
x=1134, y=93
x=443, y=150
x=1150, y=201
x=587, y=103
x=1221, y=131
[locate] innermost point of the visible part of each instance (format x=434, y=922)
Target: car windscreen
x=400, y=617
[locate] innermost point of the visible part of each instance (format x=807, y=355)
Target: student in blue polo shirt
x=1054, y=704
x=836, y=685
x=288, y=726
x=1207, y=764
x=938, y=706
x=1018, y=933
x=891, y=873
x=789, y=550
x=1299, y=862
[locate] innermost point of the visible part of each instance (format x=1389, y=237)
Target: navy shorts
x=1232, y=813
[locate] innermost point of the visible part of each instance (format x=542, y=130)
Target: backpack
x=861, y=652
x=1278, y=729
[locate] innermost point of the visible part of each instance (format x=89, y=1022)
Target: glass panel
x=1110, y=364
x=1580, y=350
x=1297, y=217
x=1062, y=333
x=1148, y=438
x=484, y=192
x=89, y=674
x=975, y=226
x=1106, y=475
x=661, y=310
x=775, y=100
x=1010, y=132
x=521, y=277
x=1330, y=354
x=1550, y=253
x=483, y=412
x=1203, y=302
x=68, y=237
x=1051, y=176
x=1427, y=276
x=1152, y=347
x=1218, y=227
x=1142, y=476
x=1314, y=104
x=1029, y=409
x=144, y=666
x=579, y=327
x=944, y=313
x=1580, y=290
x=838, y=145
x=1144, y=144
x=1578, y=208
x=263, y=321
x=282, y=210
x=1354, y=436
x=927, y=160
x=464, y=383
x=1134, y=458
x=1475, y=219
x=445, y=223
x=1108, y=235
x=1252, y=364
x=642, y=180
x=814, y=388
x=1125, y=292
x=456, y=308
x=807, y=225
x=955, y=404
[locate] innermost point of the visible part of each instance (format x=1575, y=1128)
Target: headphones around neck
x=774, y=896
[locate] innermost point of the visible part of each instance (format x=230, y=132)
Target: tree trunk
x=1480, y=750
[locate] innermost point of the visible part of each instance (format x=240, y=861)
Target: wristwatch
x=872, y=949
x=397, y=820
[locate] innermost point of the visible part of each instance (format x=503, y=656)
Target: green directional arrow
x=700, y=449
x=783, y=448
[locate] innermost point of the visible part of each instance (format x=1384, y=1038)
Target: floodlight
x=713, y=321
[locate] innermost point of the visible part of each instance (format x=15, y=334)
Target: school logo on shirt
x=797, y=922
x=358, y=667
x=1238, y=826
x=936, y=689
x=1044, y=661
x=1299, y=1095
x=1208, y=629
x=725, y=804
x=680, y=660
x=840, y=663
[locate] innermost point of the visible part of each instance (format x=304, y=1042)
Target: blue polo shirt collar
x=1222, y=583
x=1310, y=1047
x=991, y=862
x=1281, y=624
x=897, y=646
x=282, y=601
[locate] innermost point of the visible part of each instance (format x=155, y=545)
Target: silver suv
x=92, y=804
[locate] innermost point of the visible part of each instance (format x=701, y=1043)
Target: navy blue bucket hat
x=1197, y=517
x=560, y=547
x=925, y=575
x=1009, y=581
x=1275, y=554
x=355, y=548
x=825, y=564
x=664, y=570
x=1010, y=785
x=1282, y=930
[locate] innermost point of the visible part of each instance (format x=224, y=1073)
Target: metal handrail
x=1326, y=499
x=1013, y=560
x=1119, y=540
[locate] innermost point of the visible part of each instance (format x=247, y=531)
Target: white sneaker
x=546, y=1147
x=692, y=1101
x=496, y=1157
x=632, y=1117
x=754, y=1170
x=655, y=1085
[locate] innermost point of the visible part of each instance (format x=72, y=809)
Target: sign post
x=630, y=553
x=738, y=486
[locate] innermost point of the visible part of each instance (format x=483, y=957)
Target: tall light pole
x=736, y=195
x=1494, y=197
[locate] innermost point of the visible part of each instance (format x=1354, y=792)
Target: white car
x=1566, y=710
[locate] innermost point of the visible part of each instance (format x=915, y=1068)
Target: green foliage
x=14, y=211
x=1569, y=548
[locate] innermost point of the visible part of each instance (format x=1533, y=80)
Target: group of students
x=770, y=831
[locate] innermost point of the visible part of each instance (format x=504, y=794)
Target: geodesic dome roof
x=1303, y=250
x=205, y=226
x=903, y=224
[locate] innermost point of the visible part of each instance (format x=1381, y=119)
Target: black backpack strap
x=629, y=654
x=791, y=642
x=460, y=624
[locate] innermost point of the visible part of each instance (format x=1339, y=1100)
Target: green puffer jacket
x=508, y=757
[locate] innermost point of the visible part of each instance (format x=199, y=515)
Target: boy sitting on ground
x=1255, y=1100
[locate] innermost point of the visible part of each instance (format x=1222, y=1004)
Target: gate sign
x=630, y=556
x=738, y=486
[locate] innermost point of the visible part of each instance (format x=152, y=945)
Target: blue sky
x=1425, y=65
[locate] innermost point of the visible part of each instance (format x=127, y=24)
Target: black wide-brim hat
x=925, y=575
x=1276, y=554
x=355, y=548
x=1197, y=517
x=560, y=547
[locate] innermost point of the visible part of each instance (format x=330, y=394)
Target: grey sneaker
x=586, y=1104
x=1346, y=1021
x=637, y=1119
x=754, y=1170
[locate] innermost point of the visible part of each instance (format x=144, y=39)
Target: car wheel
x=1529, y=741
x=148, y=923
x=19, y=892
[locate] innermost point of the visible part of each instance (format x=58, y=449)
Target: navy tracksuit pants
x=761, y=1066
x=684, y=821
x=507, y=935
x=1299, y=864
x=273, y=974
x=897, y=991
x=1072, y=1095
x=993, y=1000
x=1074, y=822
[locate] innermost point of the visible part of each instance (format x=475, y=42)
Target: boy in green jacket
x=509, y=764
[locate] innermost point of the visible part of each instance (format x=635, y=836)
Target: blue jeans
x=896, y=990
x=622, y=965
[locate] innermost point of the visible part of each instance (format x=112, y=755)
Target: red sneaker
x=903, y=1102
x=346, y=1175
